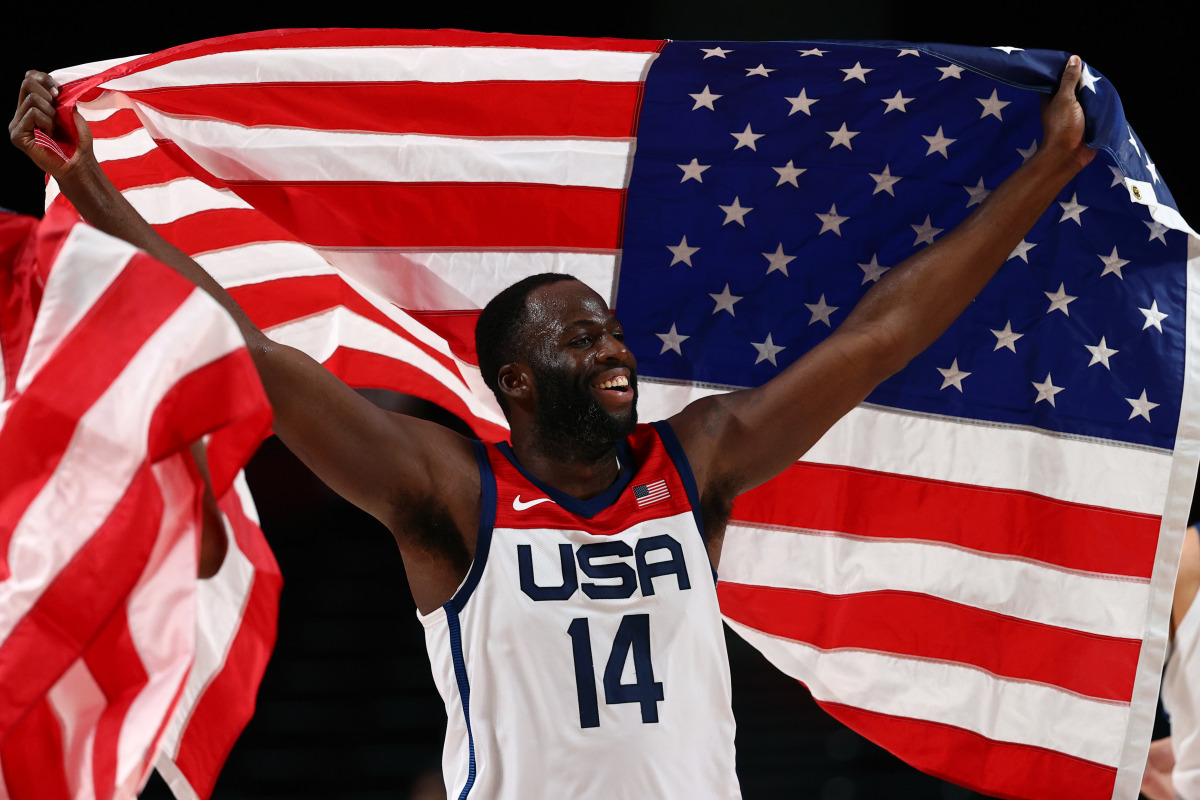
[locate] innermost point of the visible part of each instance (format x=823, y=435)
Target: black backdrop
x=348, y=709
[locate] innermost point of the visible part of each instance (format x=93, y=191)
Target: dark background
x=348, y=709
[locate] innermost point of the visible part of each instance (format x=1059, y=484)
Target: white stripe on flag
x=179, y=198
x=998, y=709
x=837, y=564
x=88, y=263
x=1108, y=475
x=367, y=64
x=238, y=153
x=137, y=142
x=262, y=262
x=77, y=702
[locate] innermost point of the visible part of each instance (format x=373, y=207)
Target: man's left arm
x=739, y=440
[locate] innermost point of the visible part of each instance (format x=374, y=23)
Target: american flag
x=112, y=366
x=974, y=568
x=648, y=493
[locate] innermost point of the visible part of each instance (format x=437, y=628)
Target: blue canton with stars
x=773, y=183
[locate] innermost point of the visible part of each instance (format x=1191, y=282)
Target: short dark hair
x=498, y=331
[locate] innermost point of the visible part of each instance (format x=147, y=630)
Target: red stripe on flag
x=20, y=292
x=1088, y=664
x=32, y=757
x=999, y=769
x=460, y=216
x=373, y=371
x=456, y=327
x=149, y=169
x=220, y=228
x=1005, y=522
x=119, y=123
x=113, y=660
x=481, y=108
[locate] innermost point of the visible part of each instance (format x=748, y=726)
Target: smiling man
x=566, y=580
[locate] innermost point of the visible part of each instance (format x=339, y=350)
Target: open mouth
x=618, y=384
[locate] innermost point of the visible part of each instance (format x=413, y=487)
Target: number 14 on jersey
x=633, y=637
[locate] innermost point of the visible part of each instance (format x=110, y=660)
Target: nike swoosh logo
x=519, y=506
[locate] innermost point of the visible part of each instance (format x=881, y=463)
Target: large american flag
x=974, y=568
x=111, y=650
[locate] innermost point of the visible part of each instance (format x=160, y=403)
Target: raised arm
x=390, y=466
x=739, y=440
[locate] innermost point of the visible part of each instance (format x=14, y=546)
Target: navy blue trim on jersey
x=684, y=467
x=487, y=521
x=581, y=508
x=464, y=690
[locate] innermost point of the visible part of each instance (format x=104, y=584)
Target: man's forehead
x=565, y=302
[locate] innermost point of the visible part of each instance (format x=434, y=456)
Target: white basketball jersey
x=583, y=656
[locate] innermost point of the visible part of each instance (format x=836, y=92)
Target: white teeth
x=612, y=383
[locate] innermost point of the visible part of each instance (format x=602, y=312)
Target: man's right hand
x=36, y=107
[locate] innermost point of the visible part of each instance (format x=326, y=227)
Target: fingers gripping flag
x=974, y=567
x=112, y=366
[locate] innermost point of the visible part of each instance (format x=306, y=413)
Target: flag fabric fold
x=113, y=366
x=973, y=568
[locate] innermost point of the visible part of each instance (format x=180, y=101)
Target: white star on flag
x=820, y=311
x=992, y=106
x=693, y=171
x=813, y=52
x=1089, y=80
x=1021, y=251
x=871, y=270
x=672, y=340
x=1059, y=300
x=1046, y=390
x=884, y=181
x=831, y=221
x=747, y=138
x=1153, y=170
x=1100, y=353
x=1027, y=153
x=909, y=52
x=1118, y=177
x=725, y=301
x=767, y=350
x=938, y=143
x=718, y=52
x=681, y=252
x=977, y=193
x=950, y=71
x=759, y=70
x=953, y=376
x=802, y=102
x=925, y=231
x=779, y=260
x=857, y=72
x=1072, y=209
x=1157, y=229
x=1153, y=316
x=705, y=99
x=896, y=103
x=1141, y=406
x=842, y=136
x=1113, y=263
x=1007, y=337
x=788, y=173
x=735, y=213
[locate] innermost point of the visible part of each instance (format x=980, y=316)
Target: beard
x=572, y=423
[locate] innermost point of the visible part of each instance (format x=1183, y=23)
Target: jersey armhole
x=487, y=521
x=674, y=448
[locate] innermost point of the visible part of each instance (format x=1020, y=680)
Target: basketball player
x=566, y=580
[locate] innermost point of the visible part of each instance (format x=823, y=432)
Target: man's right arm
x=386, y=464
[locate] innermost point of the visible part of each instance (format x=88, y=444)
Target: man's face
x=585, y=378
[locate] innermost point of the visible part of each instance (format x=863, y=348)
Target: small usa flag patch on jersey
x=648, y=493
